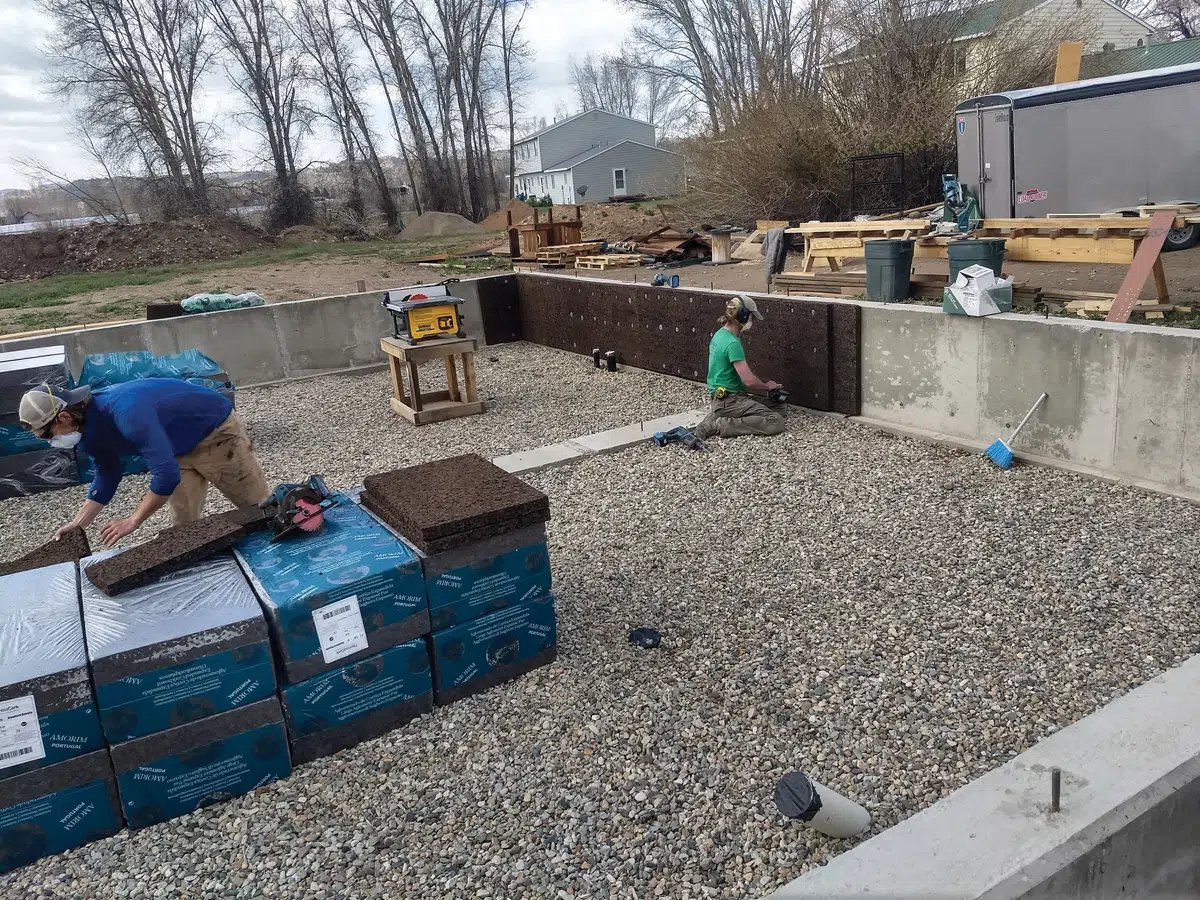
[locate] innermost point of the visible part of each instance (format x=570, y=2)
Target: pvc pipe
x=820, y=807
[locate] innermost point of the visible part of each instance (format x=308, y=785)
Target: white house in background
x=593, y=156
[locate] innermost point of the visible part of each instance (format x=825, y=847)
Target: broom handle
x=1028, y=416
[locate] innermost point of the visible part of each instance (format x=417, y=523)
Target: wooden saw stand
x=422, y=408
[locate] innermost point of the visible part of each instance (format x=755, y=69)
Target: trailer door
x=985, y=157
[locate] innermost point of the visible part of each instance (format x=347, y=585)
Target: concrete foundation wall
x=276, y=342
x=1124, y=399
x=1127, y=826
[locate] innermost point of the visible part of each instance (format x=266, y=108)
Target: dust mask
x=66, y=441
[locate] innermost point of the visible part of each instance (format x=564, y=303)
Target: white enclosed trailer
x=1097, y=146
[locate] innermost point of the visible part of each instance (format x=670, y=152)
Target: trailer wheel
x=1182, y=238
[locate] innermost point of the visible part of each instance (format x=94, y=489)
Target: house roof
x=1140, y=59
x=562, y=122
x=600, y=151
x=985, y=18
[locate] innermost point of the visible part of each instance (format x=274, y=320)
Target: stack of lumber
x=848, y=284
x=558, y=257
x=668, y=243
x=608, y=261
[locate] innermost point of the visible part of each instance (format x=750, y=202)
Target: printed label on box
x=340, y=629
x=20, y=732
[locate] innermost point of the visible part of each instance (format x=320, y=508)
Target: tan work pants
x=736, y=415
x=226, y=460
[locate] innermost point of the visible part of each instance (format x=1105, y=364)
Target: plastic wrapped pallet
x=347, y=592
x=174, y=772
x=355, y=703
x=477, y=655
x=23, y=370
x=190, y=645
x=47, y=711
x=26, y=474
x=57, y=808
x=106, y=369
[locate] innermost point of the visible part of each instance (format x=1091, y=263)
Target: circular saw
x=298, y=508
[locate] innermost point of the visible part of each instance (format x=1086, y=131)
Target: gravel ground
x=343, y=427
x=893, y=617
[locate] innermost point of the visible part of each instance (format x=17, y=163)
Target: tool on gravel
x=661, y=280
x=679, y=435
x=777, y=395
x=1000, y=452
x=298, y=508
x=425, y=311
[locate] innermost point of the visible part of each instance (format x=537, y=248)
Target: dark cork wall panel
x=498, y=305
x=810, y=346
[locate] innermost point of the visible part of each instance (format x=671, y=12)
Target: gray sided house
x=593, y=156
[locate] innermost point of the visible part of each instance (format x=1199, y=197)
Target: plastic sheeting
x=24, y=474
x=40, y=630
x=199, y=303
x=106, y=369
x=207, y=596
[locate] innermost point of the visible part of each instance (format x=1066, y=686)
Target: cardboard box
x=355, y=703
x=57, y=808
x=23, y=370
x=14, y=438
x=174, y=772
x=347, y=592
x=495, y=648
x=190, y=645
x=486, y=577
x=25, y=474
x=47, y=711
x=978, y=292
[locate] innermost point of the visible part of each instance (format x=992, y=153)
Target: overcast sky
x=34, y=125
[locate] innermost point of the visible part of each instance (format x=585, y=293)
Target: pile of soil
x=305, y=234
x=108, y=248
x=618, y=221
x=439, y=224
x=498, y=220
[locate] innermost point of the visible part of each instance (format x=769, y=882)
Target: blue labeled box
x=47, y=711
x=355, y=703
x=172, y=773
x=347, y=592
x=57, y=808
x=495, y=648
x=15, y=438
x=486, y=577
x=190, y=645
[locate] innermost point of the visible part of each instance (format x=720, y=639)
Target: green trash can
x=889, y=270
x=983, y=252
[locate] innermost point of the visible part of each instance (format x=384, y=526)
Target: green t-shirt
x=724, y=350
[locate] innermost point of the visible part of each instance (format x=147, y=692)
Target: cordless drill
x=678, y=436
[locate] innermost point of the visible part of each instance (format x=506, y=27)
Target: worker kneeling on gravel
x=734, y=412
x=188, y=435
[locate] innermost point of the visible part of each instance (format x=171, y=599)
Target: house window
x=619, y=181
x=956, y=60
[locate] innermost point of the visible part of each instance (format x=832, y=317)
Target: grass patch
x=32, y=321
x=55, y=291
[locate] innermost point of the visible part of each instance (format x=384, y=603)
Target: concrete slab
x=921, y=367
x=331, y=332
x=244, y=341
x=540, y=458
x=616, y=439
x=1124, y=828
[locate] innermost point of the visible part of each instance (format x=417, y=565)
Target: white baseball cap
x=40, y=406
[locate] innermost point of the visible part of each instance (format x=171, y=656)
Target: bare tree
x=730, y=56
x=325, y=37
x=617, y=83
x=267, y=71
x=1180, y=18
x=110, y=208
x=514, y=56
x=136, y=66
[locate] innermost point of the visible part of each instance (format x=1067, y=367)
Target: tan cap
x=40, y=406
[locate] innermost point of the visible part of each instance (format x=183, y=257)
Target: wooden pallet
x=608, y=261
x=568, y=251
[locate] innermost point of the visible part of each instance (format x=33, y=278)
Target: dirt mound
x=304, y=234
x=439, y=224
x=617, y=221
x=108, y=248
x=498, y=220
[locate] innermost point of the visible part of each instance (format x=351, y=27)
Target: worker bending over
x=734, y=412
x=188, y=435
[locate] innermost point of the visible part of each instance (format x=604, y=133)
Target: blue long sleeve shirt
x=158, y=419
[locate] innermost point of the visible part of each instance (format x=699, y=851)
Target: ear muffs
x=737, y=309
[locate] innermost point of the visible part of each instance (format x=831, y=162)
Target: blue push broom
x=1000, y=452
